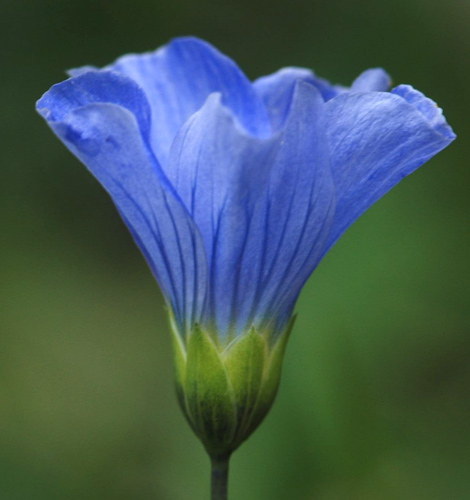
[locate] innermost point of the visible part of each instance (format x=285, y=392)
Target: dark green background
x=374, y=402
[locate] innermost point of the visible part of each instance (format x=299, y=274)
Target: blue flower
x=234, y=191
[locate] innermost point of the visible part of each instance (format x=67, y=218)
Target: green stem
x=219, y=477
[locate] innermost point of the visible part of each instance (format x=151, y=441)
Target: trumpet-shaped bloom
x=234, y=190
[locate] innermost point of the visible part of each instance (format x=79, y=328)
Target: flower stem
x=219, y=477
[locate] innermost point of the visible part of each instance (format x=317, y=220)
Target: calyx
x=226, y=391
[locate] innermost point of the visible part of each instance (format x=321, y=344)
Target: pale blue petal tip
x=427, y=107
x=372, y=80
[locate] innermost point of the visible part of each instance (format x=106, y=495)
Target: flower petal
x=215, y=167
x=376, y=139
x=263, y=207
x=371, y=80
x=81, y=70
x=177, y=80
x=108, y=139
x=220, y=173
x=428, y=108
x=299, y=206
x=277, y=90
x=93, y=87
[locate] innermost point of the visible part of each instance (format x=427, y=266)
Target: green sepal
x=245, y=361
x=179, y=364
x=209, y=396
x=271, y=379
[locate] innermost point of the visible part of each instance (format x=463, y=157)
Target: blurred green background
x=375, y=397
